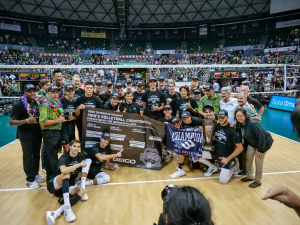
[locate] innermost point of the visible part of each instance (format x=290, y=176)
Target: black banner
x=139, y=136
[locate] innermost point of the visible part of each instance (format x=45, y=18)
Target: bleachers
x=166, y=44
x=243, y=39
x=46, y=43
x=129, y=47
x=6, y=104
x=94, y=44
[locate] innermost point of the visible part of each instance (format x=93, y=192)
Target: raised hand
x=32, y=119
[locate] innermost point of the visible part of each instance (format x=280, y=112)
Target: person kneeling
x=98, y=154
x=62, y=183
x=227, y=146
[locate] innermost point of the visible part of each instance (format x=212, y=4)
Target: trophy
x=208, y=130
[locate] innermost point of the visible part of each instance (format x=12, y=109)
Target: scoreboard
x=226, y=75
x=21, y=76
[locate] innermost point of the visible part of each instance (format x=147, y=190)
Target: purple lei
x=51, y=104
x=32, y=110
x=62, y=90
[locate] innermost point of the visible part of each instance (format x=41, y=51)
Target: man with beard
x=227, y=146
x=138, y=94
x=78, y=91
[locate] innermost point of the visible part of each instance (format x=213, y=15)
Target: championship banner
x=187, y=141
x=93, y=35
x=139, y=136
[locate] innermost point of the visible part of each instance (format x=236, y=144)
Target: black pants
x=31, y=158
x=52, y=144
x=43, y=156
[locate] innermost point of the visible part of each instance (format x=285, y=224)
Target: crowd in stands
x=7, y=38
x=288, y=38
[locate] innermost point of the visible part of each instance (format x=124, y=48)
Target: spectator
x=210, y=98
x=242, y=101
x=228, y=103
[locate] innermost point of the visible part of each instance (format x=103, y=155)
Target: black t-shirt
x=164, y=91
x=108, y=106
x=254, y=102
x=25, y=132
x=104, y=98
x=173, y=103
x=181, y=105
x=80, y=92
x=93, y=151
x=67, y=160
x=163, y=119
x=130, y=108
x=68, y=127
x=226, y=139
x=196, y=122
x=153, y=98
x=138, y=97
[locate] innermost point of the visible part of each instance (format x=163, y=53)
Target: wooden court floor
x=133, y=195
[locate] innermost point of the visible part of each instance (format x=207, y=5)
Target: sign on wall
x=282, y=103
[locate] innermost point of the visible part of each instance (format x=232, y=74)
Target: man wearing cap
x=88, y=100
x=153, y=101
x=227, y=146
x=168, y=115
x=105, y=96
x=78, y=91
x=129, y=87
x=245, y=89
x=197, y=96
x=113, y=103
x=51, y=119
x=68, y=127
x=216, y=86
x=161, y=85
x=210, y=112
x=228, y=103
x=138, y=94
x=100, y=153
x=195, y=86
x=119, y=89
x=98, y=88
x=29, y=133
x=176, y=122
x=210, y=98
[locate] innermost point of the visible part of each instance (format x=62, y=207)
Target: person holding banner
x=100, y=153
x=168, y=115
x=153, y=101
x=129, y=106
x=227, y=146
x=185, y=103
x=113, y=103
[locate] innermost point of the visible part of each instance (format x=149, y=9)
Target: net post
x=285, y=80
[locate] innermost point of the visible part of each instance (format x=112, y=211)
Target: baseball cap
x=115, y=94
x=197, y=91
x=98, y=81
x=185, y=114
x=167, y=107
x=139, y=82
x=105, y=135
x=195, y=77
x=29, y=86
x=209, y=106
x=208, y=86
x=69, y=86
x=52, y=88
x=175, y=119
x=119, y=84
x=152, y=78
x=161, y=78
x=223, y=112
x=128, y=80
x=108, y=82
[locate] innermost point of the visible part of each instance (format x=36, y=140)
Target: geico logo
x=131, y=161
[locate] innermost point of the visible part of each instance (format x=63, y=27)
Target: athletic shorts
x=55, y=189
x=93, y=172
x=66, y=139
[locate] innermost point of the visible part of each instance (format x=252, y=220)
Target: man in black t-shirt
x=30, y=135
x=168, y=115
x=161, y=85
x=119, y=89
x=189, y=121
x=153, y=101
x=63, y=183
x=113, y=103
x=78, y=91
x=99, y=154
x=105, y=96
x=98, y=88
x=68, y=127
x=172, y=97
x=195, y=86
x=227, y=146
x=86, y=101
x=138, y=94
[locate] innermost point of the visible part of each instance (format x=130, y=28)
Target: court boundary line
x=8, y=143
x=284, y=137
x=154, y=181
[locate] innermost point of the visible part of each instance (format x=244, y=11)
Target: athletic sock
x=65, y=190
x=60, y=210
x=180, y=165
x=206, y=162
x=74, y=199
x=89, y=183
x=82, y=184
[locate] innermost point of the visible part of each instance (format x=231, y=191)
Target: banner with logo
x=139, y=136
x=52, y=29
x=280, y=49
x=187, y=141
x=6, y=26
x=203, y=31
x=283, y=103
x=93, y=35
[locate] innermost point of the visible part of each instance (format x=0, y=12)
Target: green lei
x=55, y=104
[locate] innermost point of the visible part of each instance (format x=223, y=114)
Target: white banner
x=159, y=52
x=281, y=49
x=179, y=84
x=290, y=23
x=203, y=31
x=5, y=26
x=52, y=29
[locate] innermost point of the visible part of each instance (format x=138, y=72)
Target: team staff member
x=257, y=141
x=172, y=97
x=245, y=89
x=113, y=103
x=161, y=85
x=227, y=146
x=45, y=84
x=25, y=115
x=100, y=153
x=153, y=101
x=185, y=103
x=88, y=100
x=78, y=91
x=68, y=127
x=58, y=82
x=62, y=183
x=138, y=94
x=51, y=119
x=210, y=98
x=129, y=106
x=105, y=96
x=228, y=103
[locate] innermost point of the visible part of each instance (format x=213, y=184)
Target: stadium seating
x=129, y=47
x=243, y=39
x=166, y=44
x=94, y=44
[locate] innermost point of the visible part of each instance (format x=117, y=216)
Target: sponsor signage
x=13, y=27
x=139, y=136
x=93, y=35
x=52, y=29
x=281, y=49
x=290, y=23
x=282, y=103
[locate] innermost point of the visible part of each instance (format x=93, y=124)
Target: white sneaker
x=84, y=197
x=178, y=173
x=44, y=171
x=33, y=185
x=39, y=179
x=210, y=171
x=237, y=168
x=70, y=216
x=50, y=217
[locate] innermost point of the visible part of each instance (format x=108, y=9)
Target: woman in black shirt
x=185, y=103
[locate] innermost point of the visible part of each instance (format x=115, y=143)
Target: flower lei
x=62, y=89
x=56, y=105
x=30, y=108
